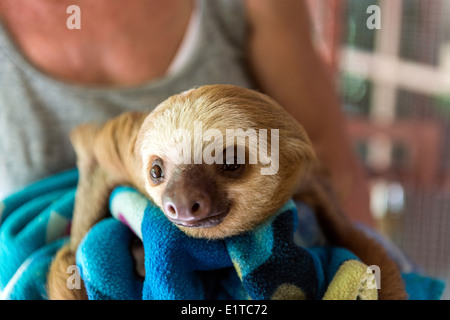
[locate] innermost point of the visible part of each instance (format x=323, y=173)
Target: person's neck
x=112, y=35
x=117, y=13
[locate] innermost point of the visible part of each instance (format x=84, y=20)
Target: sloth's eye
x=156, y=171
x=231, y=164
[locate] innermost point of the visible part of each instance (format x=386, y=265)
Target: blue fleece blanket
x=271, y=262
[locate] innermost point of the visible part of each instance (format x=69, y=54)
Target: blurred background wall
x=395, y=87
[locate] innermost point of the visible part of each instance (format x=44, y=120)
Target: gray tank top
x=37, y=112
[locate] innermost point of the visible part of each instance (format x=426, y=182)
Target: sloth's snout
x=190, y=199
x=188, y=207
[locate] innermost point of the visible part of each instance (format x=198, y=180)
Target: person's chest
x=132, y=48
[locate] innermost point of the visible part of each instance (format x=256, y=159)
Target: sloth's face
x=212, y=186
x=196, y=195
x=213, y=200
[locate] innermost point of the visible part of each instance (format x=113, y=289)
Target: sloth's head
x=220, y=159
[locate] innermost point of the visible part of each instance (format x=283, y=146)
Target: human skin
x=280, y=52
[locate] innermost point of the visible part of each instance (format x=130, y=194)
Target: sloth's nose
x=188, y=208
x=191, y=198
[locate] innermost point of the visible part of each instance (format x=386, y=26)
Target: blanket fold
x=263, y=264
x=266, y=263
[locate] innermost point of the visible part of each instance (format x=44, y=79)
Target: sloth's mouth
x=208, y=222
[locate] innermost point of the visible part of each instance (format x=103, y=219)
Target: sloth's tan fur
x=122, y=150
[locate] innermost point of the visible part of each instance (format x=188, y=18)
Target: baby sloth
x=218, y=160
